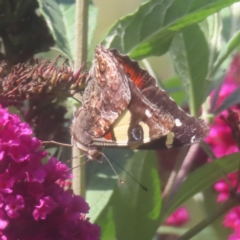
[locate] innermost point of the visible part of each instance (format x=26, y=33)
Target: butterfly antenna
x=75, y=158
x=78, y=100
x=80, y=164
x=143, y=187
x=58, y=143
x=120, y=180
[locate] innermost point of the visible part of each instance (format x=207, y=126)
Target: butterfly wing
x=152, y=119
x=123, y=107
x=106, y=96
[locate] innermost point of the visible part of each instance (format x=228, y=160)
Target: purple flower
x=33, y=203
x=6, y=183
x=45, y=207
x=56, y=171
x=13, y=205
x=3, y=220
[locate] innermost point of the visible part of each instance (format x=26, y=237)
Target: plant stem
x=181, y=170
x=78, y=183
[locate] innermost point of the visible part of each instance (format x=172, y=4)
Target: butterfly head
x=91, y=152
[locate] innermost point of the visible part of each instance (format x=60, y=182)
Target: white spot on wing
x=170, y=139
x=146, y=137
x=178, y=123
x=148, y=113
x=193, y=139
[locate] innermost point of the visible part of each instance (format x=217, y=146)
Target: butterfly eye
x=102, y=66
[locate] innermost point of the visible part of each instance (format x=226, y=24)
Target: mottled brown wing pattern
x=122, y=106
x=139, y=76
x=155, y=120
x=106, y=96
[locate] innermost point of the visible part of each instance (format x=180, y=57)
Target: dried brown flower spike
x=42, y=79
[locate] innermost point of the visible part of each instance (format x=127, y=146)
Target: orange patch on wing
x=108, y=136
x=135, y=76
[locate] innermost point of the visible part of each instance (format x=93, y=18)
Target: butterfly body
x=123, y=107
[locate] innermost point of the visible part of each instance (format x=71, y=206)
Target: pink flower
x=178, y=218
x=234, y=71
x=234, y=236
x=232, y=220
x=37, y=175
x=220, y=137
x=3, y=220
x=76, y=205
x=223, y=191
x=56, y=171
x=35, y=190
x=33, y=205
x=224, y=139
x=45, y=207
x=13, y=205
x=6, y=183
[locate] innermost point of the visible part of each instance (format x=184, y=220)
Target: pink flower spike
x=232, y=219
x=37, y=175
x=221, y=186
x=6, y=183
x=76, y=207
x=222, y=197
x=234, y=236
x=178, y=218
x=34, y=202
x=13, y=205
x=45, y=207
x=1, y=155
x=3, y=220
x=57, y=170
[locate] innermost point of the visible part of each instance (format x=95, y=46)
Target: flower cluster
x=33, y=204
x=41, y=79
x=178, y=218
x=232, y=220
x=220, y=138
x=224, y=140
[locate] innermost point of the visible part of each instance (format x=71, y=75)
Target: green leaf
x=135, y=210
x=214, y=38
x=191, y=63
x=210, y=207
x=233, y=43
x=60, y=17
x=150, y=30
x=175, y=89
x=230, y=101
x=101, y=180
x=92, y=22
x=202, y=178
x=227, y=20
x=107, y=224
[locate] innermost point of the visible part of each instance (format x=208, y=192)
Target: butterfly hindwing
x=154, y=121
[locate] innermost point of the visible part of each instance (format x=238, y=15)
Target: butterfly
x=122, y=106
